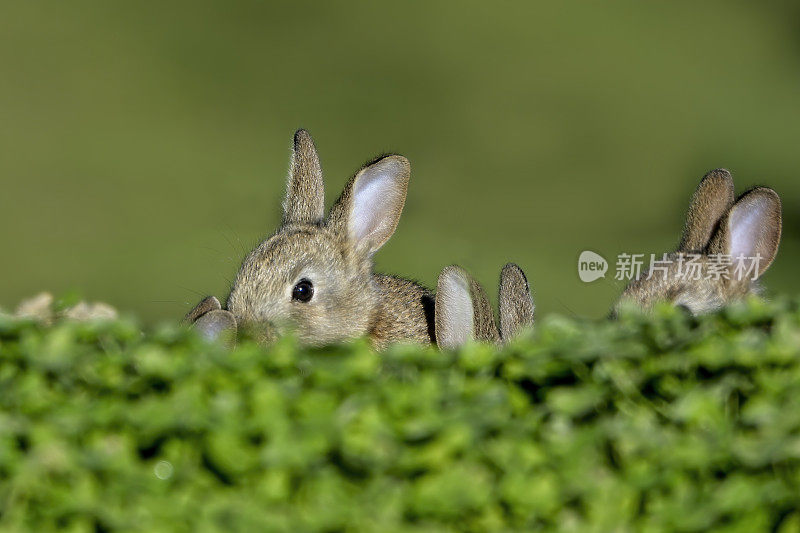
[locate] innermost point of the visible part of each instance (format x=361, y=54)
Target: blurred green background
x=144, y=145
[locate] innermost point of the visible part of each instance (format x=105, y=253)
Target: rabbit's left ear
x=369, y=208
x=305, y=191
x=751, y=229
x=713, y=197
x=463, y=312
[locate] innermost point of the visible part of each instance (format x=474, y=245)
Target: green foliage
x=662, y=423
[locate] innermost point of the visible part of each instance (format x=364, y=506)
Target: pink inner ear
x=372, y=201
x=378, y=196
x=749, y=228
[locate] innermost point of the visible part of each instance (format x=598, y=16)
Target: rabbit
x=463, y=312
x=719, y=229
x=314, y=274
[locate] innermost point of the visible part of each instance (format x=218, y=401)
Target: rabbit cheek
x=335, y=315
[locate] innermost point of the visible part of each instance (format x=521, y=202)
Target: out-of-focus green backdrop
x=144, y=145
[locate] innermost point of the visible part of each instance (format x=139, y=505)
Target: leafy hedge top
x=649, y=423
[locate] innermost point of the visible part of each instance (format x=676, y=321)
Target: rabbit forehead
x=266, y=277
x=287, y=252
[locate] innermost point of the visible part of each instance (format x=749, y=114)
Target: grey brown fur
x=715, y=224
x=335, y=255
x=515, y=302
x=305, y=191
x=713, y=197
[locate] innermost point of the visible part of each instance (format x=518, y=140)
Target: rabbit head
x=463, y=312
x=727, y=245
x=314, y=274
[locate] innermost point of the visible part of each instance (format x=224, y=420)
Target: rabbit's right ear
x=369, y=208
x=751, y=229
x=516, y=302
x=712, y=199
x=463, y=312
x=305, y=191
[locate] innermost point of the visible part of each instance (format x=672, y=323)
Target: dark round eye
x=303, y=291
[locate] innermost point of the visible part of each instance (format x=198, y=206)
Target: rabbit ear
x=751, y=228
x=217, y=324
x=305, y=192
x=463, y=312
x=713, y=197
x=209, y=303
x=455, y=315
x=370, y=205
x=516, y=303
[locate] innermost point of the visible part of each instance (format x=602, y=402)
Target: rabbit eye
x=303, y=291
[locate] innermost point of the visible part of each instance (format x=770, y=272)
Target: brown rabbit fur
x=329, y=261
x=463, y=312
x=716, y=224
x=515, y=302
